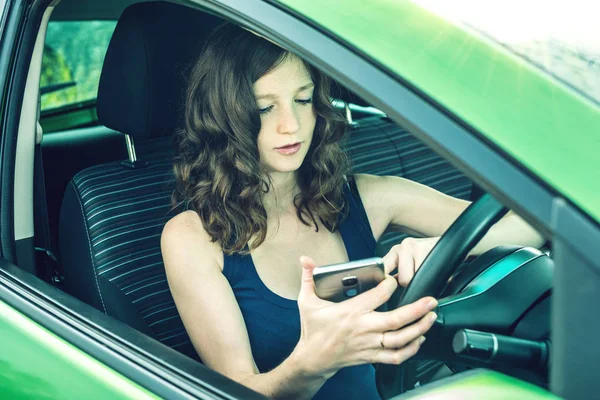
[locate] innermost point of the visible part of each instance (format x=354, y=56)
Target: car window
x=73, y=55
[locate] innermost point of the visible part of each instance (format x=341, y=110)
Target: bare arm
x=212, y=317
x=401, y=204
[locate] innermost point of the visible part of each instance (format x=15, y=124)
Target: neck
x=282, y=190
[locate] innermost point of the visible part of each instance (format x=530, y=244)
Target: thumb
x=307, y=288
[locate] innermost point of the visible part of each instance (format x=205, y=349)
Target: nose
x=289, y=121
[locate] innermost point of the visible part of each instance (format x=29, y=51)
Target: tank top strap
x=234, y=266
x=355, y=228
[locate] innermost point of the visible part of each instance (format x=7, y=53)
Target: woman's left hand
x=408, y=257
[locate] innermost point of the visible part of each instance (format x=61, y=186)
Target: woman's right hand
x=338, y=335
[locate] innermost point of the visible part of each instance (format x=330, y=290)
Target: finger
x=406, y=266
x=400, y=317
x=390, y=261
x=418, y=261
x=418, y=258
x=400, y=338
x=307, y=286
x=373, y=298
x=398, y=356
x=424, y=250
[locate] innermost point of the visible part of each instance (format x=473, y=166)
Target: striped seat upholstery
x=378, y=146
x=123, y=211
x=113, y=214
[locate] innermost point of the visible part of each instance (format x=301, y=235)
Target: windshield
x=561, y=38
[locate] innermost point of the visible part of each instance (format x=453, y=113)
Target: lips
x=289, y=149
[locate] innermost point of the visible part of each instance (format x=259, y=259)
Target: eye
x=265, y=110
x=304, y=101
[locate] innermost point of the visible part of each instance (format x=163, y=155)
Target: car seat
x=112, y=214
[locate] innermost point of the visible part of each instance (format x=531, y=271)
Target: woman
x=268, y=197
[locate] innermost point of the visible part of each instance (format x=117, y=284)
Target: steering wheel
x=432, y=277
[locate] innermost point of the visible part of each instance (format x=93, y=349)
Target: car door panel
x=108, y=359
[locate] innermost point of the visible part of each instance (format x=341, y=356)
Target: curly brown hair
x=217, y=168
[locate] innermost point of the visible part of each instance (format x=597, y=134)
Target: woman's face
x=288, y=118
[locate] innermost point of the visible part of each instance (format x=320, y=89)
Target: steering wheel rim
x=439, y=265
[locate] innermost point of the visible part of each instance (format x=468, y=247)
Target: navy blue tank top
x=273, y=322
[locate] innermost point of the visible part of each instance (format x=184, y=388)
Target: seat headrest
x=143, y=79
x=341, y=93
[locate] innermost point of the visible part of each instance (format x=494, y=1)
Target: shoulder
x=184, y=239
x=373, y=186
x=385, y=187
x=373, y=192
x=369, y=182
x=388, y=198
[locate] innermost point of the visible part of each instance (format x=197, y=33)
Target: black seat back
x=113, y=214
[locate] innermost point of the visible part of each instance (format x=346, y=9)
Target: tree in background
x=54, y=71
x=74, y=52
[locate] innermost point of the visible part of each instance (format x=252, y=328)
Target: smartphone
x=338, y=282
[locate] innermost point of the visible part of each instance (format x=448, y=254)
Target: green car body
x=552, y=130
x=547, y=129
x=37, y=364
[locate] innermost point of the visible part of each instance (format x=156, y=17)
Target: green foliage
x=56, y=70
x=74, y=51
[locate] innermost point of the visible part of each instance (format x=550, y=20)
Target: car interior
x=112, y=213
x=102, y=185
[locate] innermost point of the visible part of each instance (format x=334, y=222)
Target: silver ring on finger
x=381, y=340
